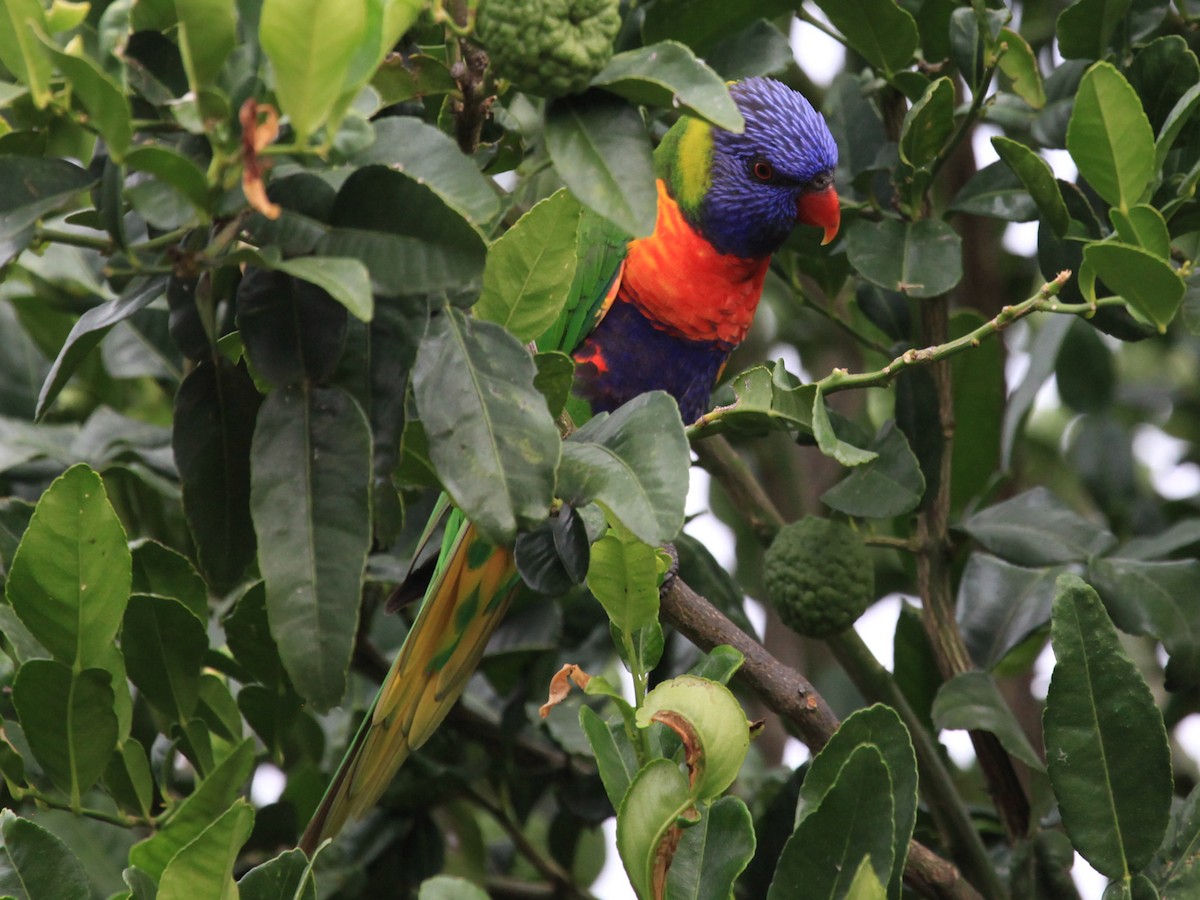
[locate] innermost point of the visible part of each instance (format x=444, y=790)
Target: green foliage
x=263, y=301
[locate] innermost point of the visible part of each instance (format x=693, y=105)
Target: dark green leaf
x=164, y=646
x=214, y=421
x=401, y=78
x=1109, y=136
x=855, y=820
x=310, y=500
x=668, y=74
x=1084, y=370
x=106, y=105
x=601, y=150
x=1176, y=866
x=160, y=570
x=758, y=49
x=1020, y=64
x=1036, y=529
x=713, y=852
x=768, y=398
x=69, y=580
x=1179, y=116
x=1042, y=353
x=700, y=23
x=1000, y=605
x=635, y=462
x=1177, y=537
x=426, y=154
x=979, y=398
x=69, y=721
x=249, y=638
x=172, y=167
x=344, y=279
x=882, y=31
x=127, y=777
x=1086, y=28
x=997, y=192
x=1106, y=748
x=972, y=701
x=292, y=330
x=1163, y=72
x=889, y=485
x=920, y=259
x=490, y=434
x=91, y=328
x=615, y=756
x=830, y=443
x=529, y=270
x=429, y=248
x=450, y=887
x=555, y=375
x=36, y=865
x=880, y=728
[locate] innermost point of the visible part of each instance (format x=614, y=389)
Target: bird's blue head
x=745, y=192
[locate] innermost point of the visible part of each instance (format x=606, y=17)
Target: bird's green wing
x=466, y=598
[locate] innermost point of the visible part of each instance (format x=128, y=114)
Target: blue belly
x=638, y=357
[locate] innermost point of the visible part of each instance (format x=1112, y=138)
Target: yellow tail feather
x=463, y=605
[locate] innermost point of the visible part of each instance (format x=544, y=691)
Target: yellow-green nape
x=684, y=161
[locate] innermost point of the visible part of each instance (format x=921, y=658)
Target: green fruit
x=549, y=47
x=819, y=576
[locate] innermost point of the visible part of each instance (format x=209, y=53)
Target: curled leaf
x=260, y=126
x=560, y=686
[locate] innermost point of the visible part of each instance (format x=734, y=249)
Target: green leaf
x=211, y=799
x=616, y=759
x=310, y=501
x=555, y=375
x=711, y=724
x=164, y=646
x=768, y=398
x=286, y=877
x=31, y=187
x=1144, y=226
x=1145, y=281
x=529, y=270
x=1037, y=529
x=36, y=865
x=345, y=280
x=635, y=462
x=866, y=884
x=668, y=74
x=69, y=721
x=1038, y=178
x=889, y=485
x=1020, y=65
x=758, y=49
x=69, y=580
x=1176, y=866
x=401, y=78
x=1084, y=370
x=920, y=259
x=701, y=23
x=656, y=800
x=883, y=32
x=855, y=820
x=1106, y=747
x=449, y=887
x=830, y=444
x=490, y=434
x=1179, y=116
x=979, y=399
x=997, y=192
x=1000, y=605
x=1157, y=599
x=204, y=867
x=429, y=249
x=878, y=727
x=127, y=777
x=90, y=329
x=1086, y=28
x=428, y=156
x=1109, y=137
x=713, y=852
x=208, y=34
x=173, y=168
x=160, y=570
x=623, y=577
x=310, y=44
x=20, y=50
x=213, y=427
x=928, y=125
x=601, y=151
x=971, y=701
x=105, y=102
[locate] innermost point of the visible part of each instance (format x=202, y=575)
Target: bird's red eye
x=763, y=170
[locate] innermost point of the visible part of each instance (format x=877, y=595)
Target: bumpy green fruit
x=549, y=47
x=819, y=576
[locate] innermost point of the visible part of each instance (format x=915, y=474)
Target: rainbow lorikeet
x=656, y=313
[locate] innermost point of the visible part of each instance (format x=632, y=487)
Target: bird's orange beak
x=821, y=209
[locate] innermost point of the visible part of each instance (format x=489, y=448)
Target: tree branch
x=789, y=694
